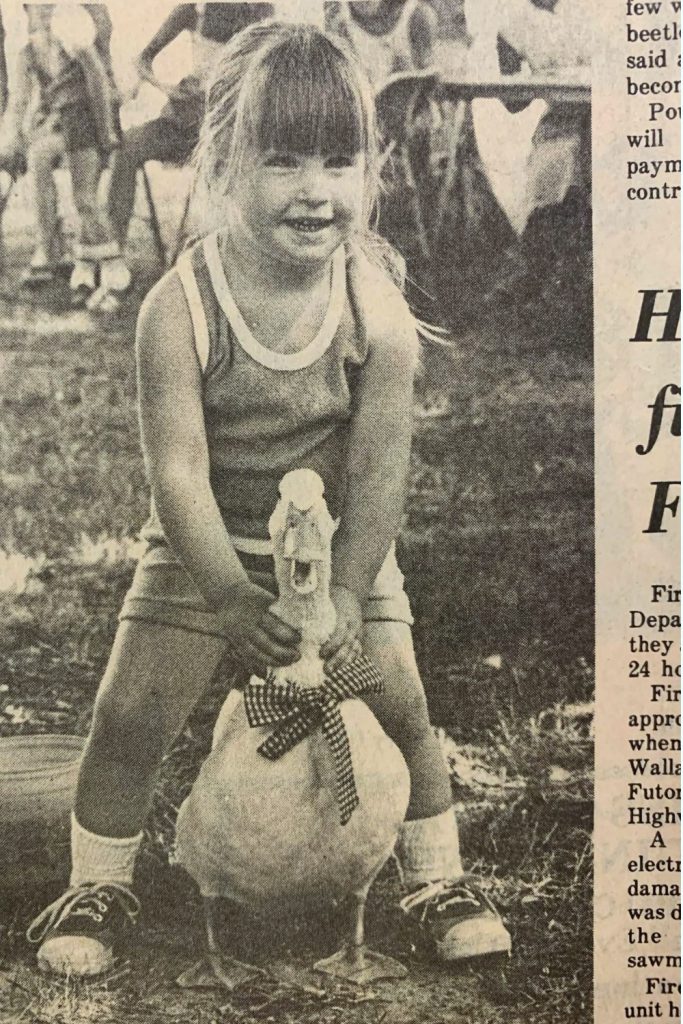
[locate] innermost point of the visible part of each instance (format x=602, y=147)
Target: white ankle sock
x=100, y=858
x=428, y=850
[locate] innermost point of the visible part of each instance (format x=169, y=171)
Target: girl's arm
x=379, y=450
x=177, y=462
x=377, y=468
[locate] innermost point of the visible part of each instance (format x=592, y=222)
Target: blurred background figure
x=388, y=36
x=172, y=136
x=312, y=11
x=63, y=107
x=451, y=43
x=495, y=193
x=547, y=38
x=3, y=68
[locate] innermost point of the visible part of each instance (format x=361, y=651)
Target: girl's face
x=299, y=208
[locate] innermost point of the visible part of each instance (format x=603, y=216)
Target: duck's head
x=301, y=529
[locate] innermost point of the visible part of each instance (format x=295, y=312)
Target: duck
x=285, y=817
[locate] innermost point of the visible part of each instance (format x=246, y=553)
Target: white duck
x=269, y=833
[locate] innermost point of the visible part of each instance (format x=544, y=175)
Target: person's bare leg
x=453, y=912
x=155, y=676
x=402, y=712
x=156, y=673
x=85, y=168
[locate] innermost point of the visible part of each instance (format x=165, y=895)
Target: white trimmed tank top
x=267, y=412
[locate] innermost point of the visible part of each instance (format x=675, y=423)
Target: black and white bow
x=297, y=711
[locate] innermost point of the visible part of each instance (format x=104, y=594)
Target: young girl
x=276, y=343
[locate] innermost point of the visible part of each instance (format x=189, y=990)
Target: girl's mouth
x=309, y=225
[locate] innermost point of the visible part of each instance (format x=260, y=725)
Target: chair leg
x=5, y=193
x=180, y=236
x=153, y=219
x=457, y=120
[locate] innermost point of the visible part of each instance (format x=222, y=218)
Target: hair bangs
x=307, y=101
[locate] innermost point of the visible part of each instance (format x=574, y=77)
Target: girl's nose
x=312, y=185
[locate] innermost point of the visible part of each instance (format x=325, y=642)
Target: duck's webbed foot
x=361, y=965
x=355, y=962
x=218, y=969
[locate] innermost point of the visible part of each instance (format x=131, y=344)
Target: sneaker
x=38, y=274
x=115, y=275
x=77, y=932
x=46, y=267
x=83, y=281
x=459, y=919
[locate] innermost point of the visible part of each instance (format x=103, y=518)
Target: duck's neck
x=315, y=618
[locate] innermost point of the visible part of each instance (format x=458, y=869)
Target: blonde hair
x=295, y=88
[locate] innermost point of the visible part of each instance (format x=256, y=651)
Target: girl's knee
x=404, y=716
x=128, y=728
x=402, y=707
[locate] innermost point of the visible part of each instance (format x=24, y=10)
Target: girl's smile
x=299, y=208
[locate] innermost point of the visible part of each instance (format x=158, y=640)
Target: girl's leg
x=458, y=918
x=156, y=675
x=402, y=712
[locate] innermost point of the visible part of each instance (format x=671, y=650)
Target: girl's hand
x=344, y=644
x=259, y=639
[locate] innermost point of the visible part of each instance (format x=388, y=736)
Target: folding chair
x=167, y=255
x=6, y=185
x=398, y=102
x=402, y=100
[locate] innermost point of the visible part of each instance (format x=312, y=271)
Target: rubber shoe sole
x=473, y=938
x=75, y=956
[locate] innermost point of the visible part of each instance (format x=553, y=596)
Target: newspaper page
x=637, y=820
x=442, y=793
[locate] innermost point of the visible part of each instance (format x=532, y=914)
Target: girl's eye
x=283, y=160
x=340, y=161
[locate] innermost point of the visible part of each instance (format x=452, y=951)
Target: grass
x=497, y=551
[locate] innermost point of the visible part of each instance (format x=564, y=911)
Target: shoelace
x=433, y=893
x=82, y=899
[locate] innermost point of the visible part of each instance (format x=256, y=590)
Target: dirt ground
x=497, y=551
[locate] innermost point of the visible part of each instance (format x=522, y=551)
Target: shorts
x=163, y=593
x=77, y=127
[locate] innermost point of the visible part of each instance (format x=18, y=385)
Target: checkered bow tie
x=297, y=711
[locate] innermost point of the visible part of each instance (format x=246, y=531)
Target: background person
x=387, y=36
x=553, y=38
x=172, y=136
x=63, y=107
